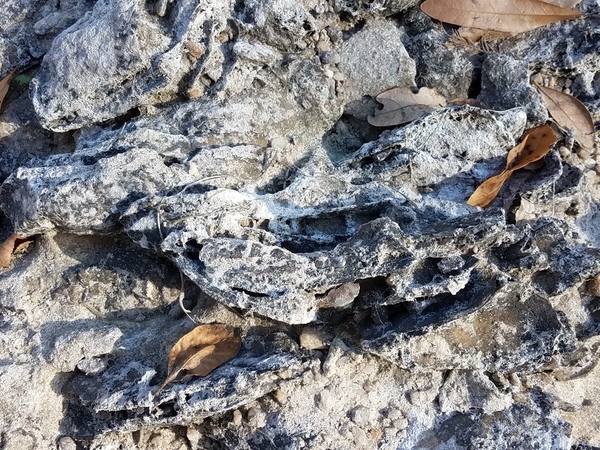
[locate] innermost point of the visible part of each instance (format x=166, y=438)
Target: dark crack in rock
x=222, y=161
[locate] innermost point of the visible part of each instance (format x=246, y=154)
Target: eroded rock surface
x=217, y=156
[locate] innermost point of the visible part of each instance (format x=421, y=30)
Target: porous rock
x=238, y=178
x=505, y=85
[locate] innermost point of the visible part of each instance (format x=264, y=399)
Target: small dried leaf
x=201, y=351
x=13, y=244
x=487, y=191
x=570, y=113
x=513, y=16
x=536, y=143
x=401, y=105
x=4, y=83
x=534, y=146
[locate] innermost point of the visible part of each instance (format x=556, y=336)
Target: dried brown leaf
x=201, y=351
x=570, y=113
x=563, y=3
x=401, y=105
x=4, y=83
x=514, y=16
x=536, y=143
x=13, y=244
x=487, y=191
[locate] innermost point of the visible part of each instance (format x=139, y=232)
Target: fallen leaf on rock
x=536, y=143
x=508, y=16
x=570, y=113
x=401, y=105
x=13, y=244
x=201, y=351
x=563, y=3
x=487, y=191
x=4, y=85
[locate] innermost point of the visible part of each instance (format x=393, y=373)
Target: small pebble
x=280, y=396
x=590, y=163
x=339, y=76
x=360, y=438
x=538, y=78
x=67, y=443
x=257, y=417
x=237, y=417
x=584, y=154
x=335, y=35
x=401, y=424
x=325, y=400
x=361, y=415
x=193, y=435
x=329, y=57
x=314, y=339
x=564, y=151
x=593, y=286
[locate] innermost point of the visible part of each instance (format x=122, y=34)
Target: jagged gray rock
x=237, y=176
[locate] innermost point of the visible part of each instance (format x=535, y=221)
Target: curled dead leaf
x=570, y=113
x=401, y=105
x=13, y=244
x=487, y=191
x=507, y=16
x=536, y=143
x=4, y=83
x=201, y=351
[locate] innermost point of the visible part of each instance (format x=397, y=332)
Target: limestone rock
x=505, y=85
x=223, y=171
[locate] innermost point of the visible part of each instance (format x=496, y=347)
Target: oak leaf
x=570, y=113
x=401, y=105
x=513, y=16
x=536, y=143
x=201, y=351
x=4, y=85
x=13, y=244
x=563, y=3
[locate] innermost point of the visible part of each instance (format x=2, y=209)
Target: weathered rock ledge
x=219, y=152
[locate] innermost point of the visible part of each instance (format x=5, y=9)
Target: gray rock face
x=503, y=89
x=223, y=162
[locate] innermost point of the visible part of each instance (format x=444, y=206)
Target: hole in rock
x=373, y=291
x=426, y=271
x=303, y=245
x=250, y=293
x=193, y=249
x=546, y=281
